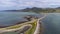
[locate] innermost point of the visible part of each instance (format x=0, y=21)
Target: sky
x=21, y=4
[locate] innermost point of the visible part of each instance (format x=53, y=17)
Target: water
x=9, y=18
x=52, y=23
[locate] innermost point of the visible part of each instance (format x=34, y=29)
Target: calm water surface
x=52, y=23
x=9, y=18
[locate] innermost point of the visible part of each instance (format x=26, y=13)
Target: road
x=39, y=25
x=37, y=31
x=17, y=29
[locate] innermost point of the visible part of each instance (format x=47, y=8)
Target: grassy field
x=31, y=30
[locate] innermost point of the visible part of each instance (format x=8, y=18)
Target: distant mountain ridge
x=37, y=10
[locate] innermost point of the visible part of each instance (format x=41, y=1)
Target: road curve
x=9, y=30
x=37, y=31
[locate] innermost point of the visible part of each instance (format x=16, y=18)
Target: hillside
x=38, y=10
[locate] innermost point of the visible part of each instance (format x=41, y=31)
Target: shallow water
x=9, y=18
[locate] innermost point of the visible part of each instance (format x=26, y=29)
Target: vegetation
x=30, y=31
x=42, y=10
x=38, y=10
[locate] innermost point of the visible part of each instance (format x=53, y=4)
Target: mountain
x=37, y=10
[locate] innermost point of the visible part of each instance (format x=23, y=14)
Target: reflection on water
x=52, y=23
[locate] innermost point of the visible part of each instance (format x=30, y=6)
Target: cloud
x=39, y=3
x=7, y=3
x=18, y=4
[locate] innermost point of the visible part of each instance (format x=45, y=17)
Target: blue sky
x=21, y=4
